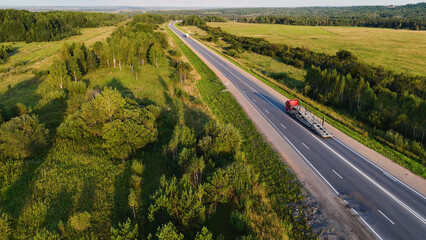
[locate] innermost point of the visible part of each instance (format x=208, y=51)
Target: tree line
x=382, y=84
x=214, y=19
x=150, y=19
x=380, y=22
x=410, y=16
x=23, y=25
x=198, y=21
x=397, y=114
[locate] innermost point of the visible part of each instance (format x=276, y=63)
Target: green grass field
x=39, y=55
x=397, y=50
x=18, y=82
x=271, y=67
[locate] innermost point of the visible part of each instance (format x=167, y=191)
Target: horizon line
x=195, y=7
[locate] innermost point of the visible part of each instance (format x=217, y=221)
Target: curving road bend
x=385, y=205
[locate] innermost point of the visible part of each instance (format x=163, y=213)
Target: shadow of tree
x=18, y=194
x=23, y=92
x=196, y=119
x=52, y=114
x=59, y=210
x=117, y=84
x=88, y=194
x=121, y=193
x=166, y=90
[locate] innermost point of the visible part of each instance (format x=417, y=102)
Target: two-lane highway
x=388, y=207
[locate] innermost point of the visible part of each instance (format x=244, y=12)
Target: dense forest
x=26, y=26
x=343, y=20
x=382, y=99
x=84, y=162
x=410, y=16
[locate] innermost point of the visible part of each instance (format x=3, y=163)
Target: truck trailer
x=302, y=114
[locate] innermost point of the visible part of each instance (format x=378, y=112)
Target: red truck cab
x=292, y=103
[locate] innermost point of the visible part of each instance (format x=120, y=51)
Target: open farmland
x=397, y=50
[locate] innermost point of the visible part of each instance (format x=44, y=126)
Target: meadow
x=397, y=50
x=18, y=81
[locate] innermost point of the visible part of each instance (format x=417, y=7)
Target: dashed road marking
x=368, y=225
x=386, y=217
x=337, y=174
x=305, y=145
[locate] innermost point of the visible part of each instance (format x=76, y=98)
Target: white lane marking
x=381, y=169
x=386, y=217
x=267, y=111
x=294, y=147
x=283, y=126
x=305, y=145
x=337, y=174
x=362, y=219
x=230, y=72
x=414, y=213
x=390, y=176
x=346, y=202
x=254, y=100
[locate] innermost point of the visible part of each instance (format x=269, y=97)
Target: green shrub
x=20, y=109
x=110, y=122
x=20, y=63
x=232, y=53
x=5, y=228
x=80, y=221
x=125, y=231
x=22, y=136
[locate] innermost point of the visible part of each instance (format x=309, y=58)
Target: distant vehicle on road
x=186, y=35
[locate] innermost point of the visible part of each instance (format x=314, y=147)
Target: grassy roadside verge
x=284, y=191
x=344, y=124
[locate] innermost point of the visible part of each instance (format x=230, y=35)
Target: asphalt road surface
x=388, y=207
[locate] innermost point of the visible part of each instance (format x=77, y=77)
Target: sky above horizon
x=203, y=3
